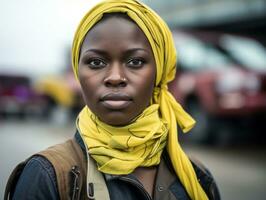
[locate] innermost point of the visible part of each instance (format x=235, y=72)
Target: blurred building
x=238, y=16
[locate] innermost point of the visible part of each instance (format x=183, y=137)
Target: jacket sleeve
x=37, y=181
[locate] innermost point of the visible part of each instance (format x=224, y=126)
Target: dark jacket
x=38, y=181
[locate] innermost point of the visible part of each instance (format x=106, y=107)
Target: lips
x=116, y=101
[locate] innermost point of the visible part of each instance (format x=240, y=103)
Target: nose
x=115, y=76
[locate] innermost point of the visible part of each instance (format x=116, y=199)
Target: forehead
x=117, y=30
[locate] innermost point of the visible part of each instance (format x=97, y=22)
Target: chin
x=116, y=121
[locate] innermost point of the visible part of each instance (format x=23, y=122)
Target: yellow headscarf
x=162, y=44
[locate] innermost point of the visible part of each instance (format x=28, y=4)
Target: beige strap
x=96, y=186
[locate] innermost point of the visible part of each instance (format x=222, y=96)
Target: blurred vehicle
x=224, y=97
x=63, y=94
x=17, y=97
x=244, y=50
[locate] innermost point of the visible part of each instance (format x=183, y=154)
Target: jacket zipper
x=75, y=188
x=138, y=185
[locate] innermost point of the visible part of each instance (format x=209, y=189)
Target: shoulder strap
x=70, y=157
x=97, y=189
x=69, y=163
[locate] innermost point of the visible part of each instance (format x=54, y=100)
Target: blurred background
x=220, y=80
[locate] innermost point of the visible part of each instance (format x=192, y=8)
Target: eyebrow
x=103, y=52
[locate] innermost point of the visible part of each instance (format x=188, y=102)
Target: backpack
x=76, y=178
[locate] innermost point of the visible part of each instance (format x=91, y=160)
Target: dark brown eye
x=135, y=63
x=96, y=63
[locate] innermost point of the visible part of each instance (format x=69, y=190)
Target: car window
x=248, y=52
x=196, y=56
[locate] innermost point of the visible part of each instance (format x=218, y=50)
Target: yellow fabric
x=119, y=150
x=171, y=112
x=57, y=89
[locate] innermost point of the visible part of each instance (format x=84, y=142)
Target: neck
x=147, y=176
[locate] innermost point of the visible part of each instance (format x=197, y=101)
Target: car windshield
x=194, y=55
x=248, y=52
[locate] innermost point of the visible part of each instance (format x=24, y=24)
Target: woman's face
x=116, y=71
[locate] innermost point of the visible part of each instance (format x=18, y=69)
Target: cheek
x=146, y=85
x=89, y=88
x=87, y=92
x=89, y=80
x=151, y=77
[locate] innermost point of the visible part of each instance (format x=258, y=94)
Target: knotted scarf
x=119, y=150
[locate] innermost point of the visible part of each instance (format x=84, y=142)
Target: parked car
x=244, y=50
x=17, y=97
x=224, y=97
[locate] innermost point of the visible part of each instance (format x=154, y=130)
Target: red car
x=226, y=98
x=17, y=97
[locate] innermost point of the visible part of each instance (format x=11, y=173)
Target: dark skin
x=117, y=74
x=116, y=71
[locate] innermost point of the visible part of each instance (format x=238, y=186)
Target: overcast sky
x=35, y=34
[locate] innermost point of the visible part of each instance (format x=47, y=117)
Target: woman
x=123, y=56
